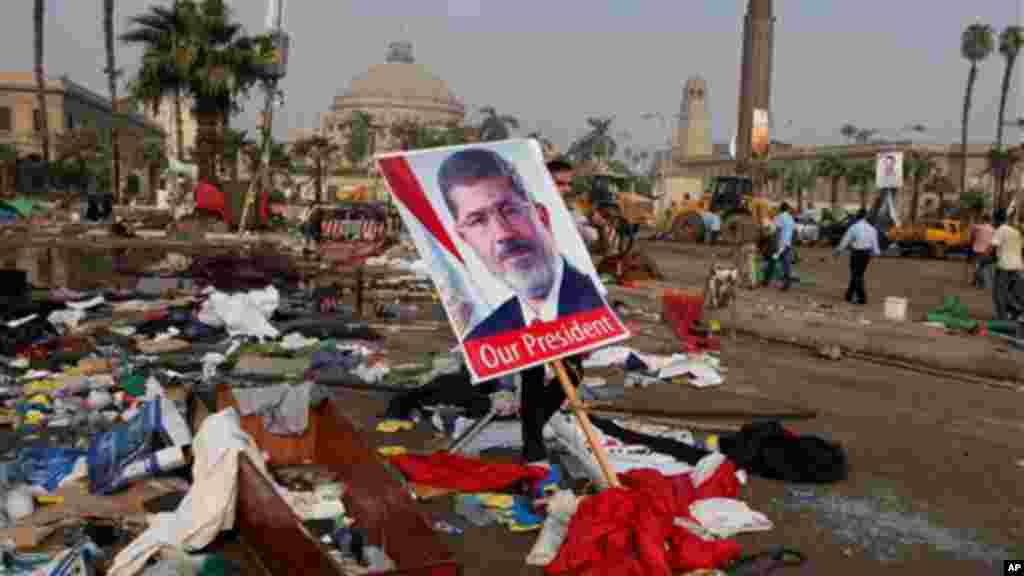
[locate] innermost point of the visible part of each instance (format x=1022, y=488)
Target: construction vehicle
x=934, y=237
x=732, y=197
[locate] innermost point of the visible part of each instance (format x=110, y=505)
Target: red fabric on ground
x=444, y=470
x=624, y=531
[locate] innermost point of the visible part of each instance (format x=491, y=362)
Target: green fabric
x=1007, y=327
x=953, y=314
x=22, y=205
x=134, y=385
x=214, y=565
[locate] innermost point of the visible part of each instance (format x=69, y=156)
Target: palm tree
x=918, y=168
x=773, y=171
x=112, y=74
x=159, y=32
x=799, y=177
x=976, y=44
x=834, y=168
x=8, y=156
x=357, y=145
x=849, y=131
x=597, y=144
x=1010, y=41
x=496, y=126
x=323, y=152
x=198, y=48
x=39, y=18
x=861, y=175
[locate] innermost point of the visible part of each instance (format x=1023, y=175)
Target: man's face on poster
x=511, y=238
x=890, y=165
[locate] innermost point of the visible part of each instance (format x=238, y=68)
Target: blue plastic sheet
x=111, y=451
x=45, y=466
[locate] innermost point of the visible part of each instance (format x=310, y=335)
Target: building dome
x=401, y=86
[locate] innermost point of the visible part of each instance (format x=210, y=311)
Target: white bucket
x=896, y=309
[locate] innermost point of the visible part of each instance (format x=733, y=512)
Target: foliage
x=8, y=153
x=412, y=135
x=596, y=144
x=1010, y=41
x=195, y=47
x=858, y=135
x=861, y=175
x=976, y=44
x=975, y=201
x=918, y=168
x=496, y=126
x=357, y=146
x=132, y=185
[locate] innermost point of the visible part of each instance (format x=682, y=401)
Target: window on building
x=37, y=120
x=5, y=119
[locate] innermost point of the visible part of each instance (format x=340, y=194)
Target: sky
x=881, y=64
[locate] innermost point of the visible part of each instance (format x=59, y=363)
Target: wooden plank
x=283, y=450
x=272, y=530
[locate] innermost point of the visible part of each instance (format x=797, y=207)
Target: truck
x=733, y=198
x=936, y=238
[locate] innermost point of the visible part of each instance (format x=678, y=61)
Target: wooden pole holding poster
x=588, y=428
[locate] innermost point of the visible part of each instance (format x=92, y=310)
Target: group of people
x=996, y=251
x=861, y=239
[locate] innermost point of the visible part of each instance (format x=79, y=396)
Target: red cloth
x=624, y=531
x=444, y=470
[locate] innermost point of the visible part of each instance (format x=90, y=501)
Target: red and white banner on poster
x=506, y=257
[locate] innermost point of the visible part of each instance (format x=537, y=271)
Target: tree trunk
x=39, y=18
x=863, y=197
x=972, y=76
x=179, y=127
x=206, y=150
x=835, y=192
x=320, y=180
x=1011, y=60
x=115, y=145
x=915, y=199
x=800, y=200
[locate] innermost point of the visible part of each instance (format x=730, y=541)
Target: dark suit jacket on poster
x=577, y=294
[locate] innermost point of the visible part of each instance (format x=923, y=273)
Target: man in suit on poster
x=512, y=237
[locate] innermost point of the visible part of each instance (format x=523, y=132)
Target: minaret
x=755, y=72
x=693, y=133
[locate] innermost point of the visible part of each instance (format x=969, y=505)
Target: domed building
x=397, y=90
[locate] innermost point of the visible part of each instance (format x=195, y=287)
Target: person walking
x=1007, y=244
x=981, y=248
x=784, y=227
x=862, y=241
x=713, y=224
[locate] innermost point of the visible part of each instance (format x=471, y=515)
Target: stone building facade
x=398, y=90
x=686, y=176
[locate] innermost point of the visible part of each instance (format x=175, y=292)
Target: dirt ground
x=935, y=463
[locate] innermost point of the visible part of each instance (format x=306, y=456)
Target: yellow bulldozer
x=732, y=197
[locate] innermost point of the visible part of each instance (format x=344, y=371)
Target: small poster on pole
x=513, y=274
x=889, y=171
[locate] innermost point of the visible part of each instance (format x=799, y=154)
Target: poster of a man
x=889, y=170
x=494, y=210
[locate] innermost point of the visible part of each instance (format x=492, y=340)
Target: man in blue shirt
x=862, y=240
x=784, y=227
x=713, y=225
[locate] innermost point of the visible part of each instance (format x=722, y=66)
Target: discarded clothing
x=244, y=314
x=209, y=506
x=560, y=508
x=234, y=273
x=678, y=450
x=340, y=327
x=285, y=408
x=444, y=470
x=768, y=450
x=452, y=389
x=726, y=517
x=630, y=531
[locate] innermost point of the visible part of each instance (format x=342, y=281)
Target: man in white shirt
x=1007, y=244
x=862, y=241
